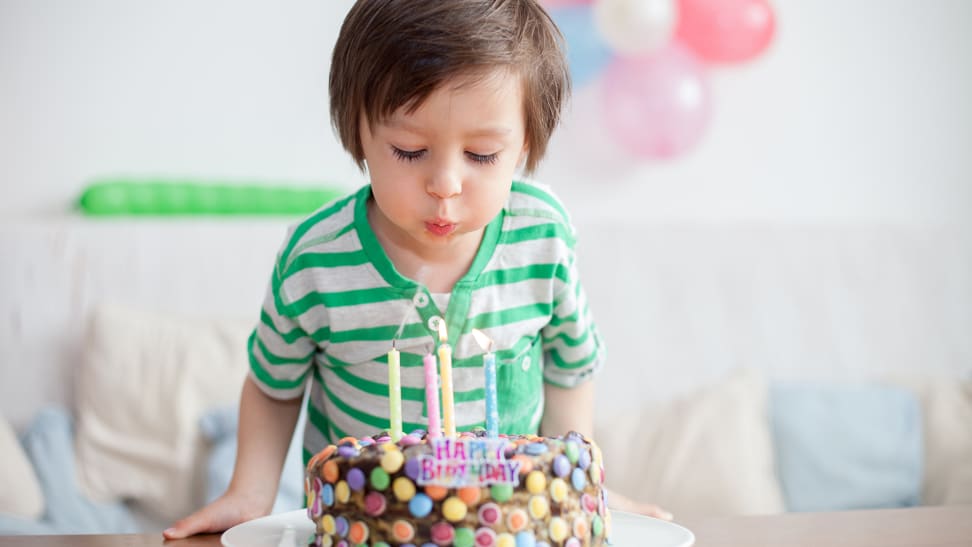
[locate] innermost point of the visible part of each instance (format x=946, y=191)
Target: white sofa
x=684, y=309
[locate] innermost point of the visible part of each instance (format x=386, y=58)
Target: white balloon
x=636, y=26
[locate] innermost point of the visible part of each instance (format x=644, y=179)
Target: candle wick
x=393, y=343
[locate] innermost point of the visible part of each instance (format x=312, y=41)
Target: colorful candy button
x=358, y=533
x=341, y=526
x=572, y=451
x=595, y=471
x=470, y=495
x=535, y=449
x=526, y=463
x=501, y=492
x=392, y=460
x=327, y=524
x=489, y=514
x=402, y=531
x=412, y=468
x=356, y=479
x=597, y=526
x=454, y=509
x=505, y=540
x=347, y=452
x=331, y=471
x=572, y=542
x=375, y=503
x=516, y=520
x=404, y=488
x=588, y=503
x=464, y=537
x=526, y=539
x=327, y=495
x=536, y=482
x=436, y=492
x=557, y=529
x=420, y=505
x=584, y=460
x=485, y=537
x=379, y=478
x=538, y=507
x=408, y=440
x=561, y=465
x=342, y=491
x=442, y=533
x=579, y=480
x=580, y=528
x=558, y=490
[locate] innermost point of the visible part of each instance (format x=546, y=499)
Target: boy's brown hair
x=395, y=53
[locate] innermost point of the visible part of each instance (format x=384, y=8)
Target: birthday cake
x=467, y=491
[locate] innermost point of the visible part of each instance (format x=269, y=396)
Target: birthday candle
x=489, y=371
x=445, y=370
x=432, y=394
x=395, y=393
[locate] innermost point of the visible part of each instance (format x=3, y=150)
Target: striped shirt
x=336, y=302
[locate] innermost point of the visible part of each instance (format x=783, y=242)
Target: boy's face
x=440, y=174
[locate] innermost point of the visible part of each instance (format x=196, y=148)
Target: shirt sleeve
x=281, y=352
x=572, y=346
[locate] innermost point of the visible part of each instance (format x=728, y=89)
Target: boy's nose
x=445, y=183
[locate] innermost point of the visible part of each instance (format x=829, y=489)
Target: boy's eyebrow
x=485, y=131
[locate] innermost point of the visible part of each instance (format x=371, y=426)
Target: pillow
x=48, y=443
x=842, y=447
x=947, y=414
x=708, y=453
x=20, y=495
x=144, y=382
x=219, y=428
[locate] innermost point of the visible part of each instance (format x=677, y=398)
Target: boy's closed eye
x=413, y=155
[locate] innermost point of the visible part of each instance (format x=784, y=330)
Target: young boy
x=441, y=103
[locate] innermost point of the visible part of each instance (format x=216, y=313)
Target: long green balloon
x=155, y=197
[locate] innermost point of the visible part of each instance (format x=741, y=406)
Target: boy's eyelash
x=412, y=155
x=407, y=155
x=485, y=159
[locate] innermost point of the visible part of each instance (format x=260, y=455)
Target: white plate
x=293, y=528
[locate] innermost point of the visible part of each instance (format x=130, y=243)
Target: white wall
x=858, y=111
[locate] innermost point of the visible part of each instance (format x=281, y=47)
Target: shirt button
x=434, y=322
x=420, y=299
x=525, y=364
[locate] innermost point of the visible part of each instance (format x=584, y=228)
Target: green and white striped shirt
x=336, y=302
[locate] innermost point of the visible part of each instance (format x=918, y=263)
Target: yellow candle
x=445, y=373
x=394, y=394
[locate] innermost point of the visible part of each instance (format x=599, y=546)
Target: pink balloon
x=725, y=31
x=656, y=106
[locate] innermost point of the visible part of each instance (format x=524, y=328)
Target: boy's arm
x=573, y=410
x=266, y=426
x=568, y=410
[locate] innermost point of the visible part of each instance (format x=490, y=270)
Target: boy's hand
x=223, y=513
x=624, y=503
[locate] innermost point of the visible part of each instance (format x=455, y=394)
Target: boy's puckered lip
x=440, y=226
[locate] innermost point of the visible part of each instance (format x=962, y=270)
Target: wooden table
x=919, y=527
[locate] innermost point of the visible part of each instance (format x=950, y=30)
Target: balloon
x=636, y=26
x=587, y=53
x=725, y=30
x=657, y=105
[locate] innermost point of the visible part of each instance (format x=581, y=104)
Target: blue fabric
x=847, y=447
x=219, y=427
x=49, y=444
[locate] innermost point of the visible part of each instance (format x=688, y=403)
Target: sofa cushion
x=21, y=494
x=145, y=381
x=707, y=453
x=48, y=443
x=841, y=447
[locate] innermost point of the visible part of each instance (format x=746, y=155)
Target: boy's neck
x=439, y=268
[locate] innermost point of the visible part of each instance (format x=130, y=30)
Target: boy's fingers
x=191, y=525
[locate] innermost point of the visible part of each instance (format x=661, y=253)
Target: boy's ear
x=521, y=161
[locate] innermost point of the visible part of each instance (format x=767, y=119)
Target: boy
x=441, y=103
